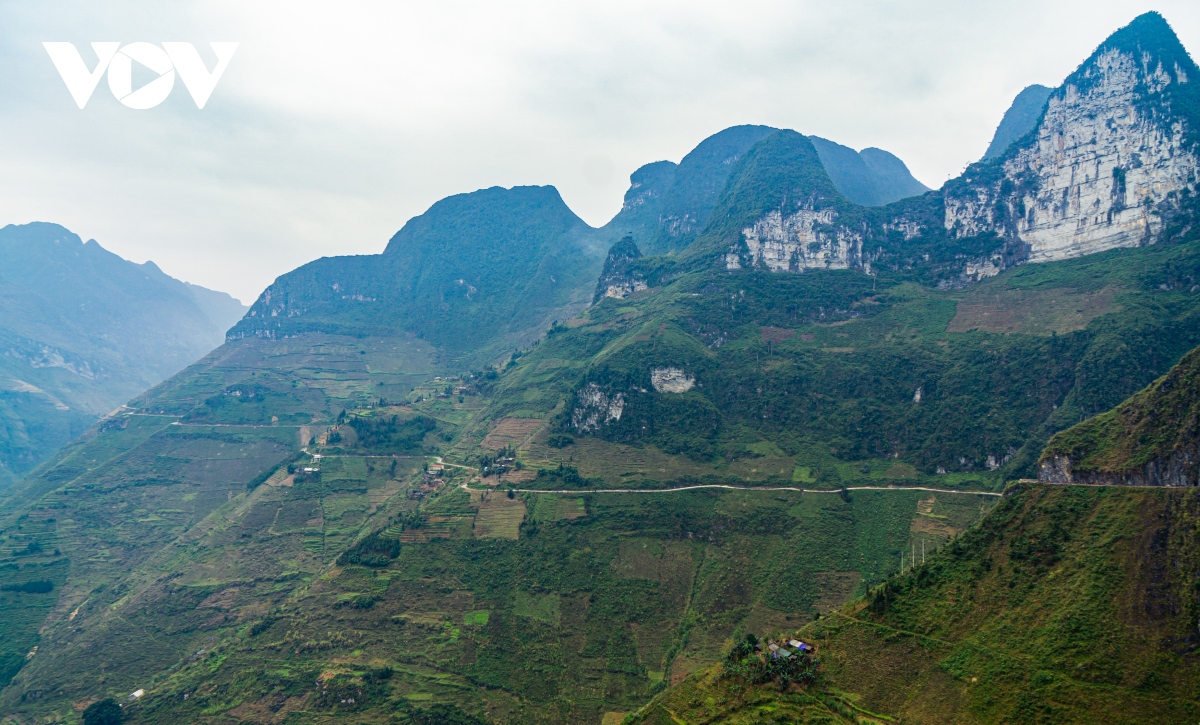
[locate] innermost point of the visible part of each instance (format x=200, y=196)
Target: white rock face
x=1100, y=167
x=595, y=408
x=806, y=239
x=671, y=380
x=1105, y=165
x=621, y=290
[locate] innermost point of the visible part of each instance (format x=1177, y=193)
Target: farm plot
x=499, y=517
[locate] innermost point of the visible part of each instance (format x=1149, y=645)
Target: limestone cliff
x=1113, y=157
x=1108, y=160
x=618, y=278
x=804, y=239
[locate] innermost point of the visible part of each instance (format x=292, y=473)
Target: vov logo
x=118, y=60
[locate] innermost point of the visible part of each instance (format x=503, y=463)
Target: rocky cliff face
x=618, y=279
x=1178, y=469
x=805, y=239
x=1101, y=171
x=595, y=408
x=1114, y=155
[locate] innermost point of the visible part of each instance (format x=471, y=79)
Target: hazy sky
x=336, y=122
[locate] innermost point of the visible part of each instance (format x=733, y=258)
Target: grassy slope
x=172, y=575
x=477, y=275
x=1154, y=424
x=1001, y=366
x=117, y=495
x=83, y=331
x=1065, y=605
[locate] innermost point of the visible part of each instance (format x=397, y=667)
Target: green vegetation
x=511, y=608
x=84, y=331
x=827, y=368
x=1064, y=604
x=748, y=662
x=1149, y=439
x=668, y=204
x=104, y=712
x=1060, y=606
x=468, y=259
x=388, y=498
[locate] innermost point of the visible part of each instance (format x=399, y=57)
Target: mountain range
x=516, y=469
x=83, y=331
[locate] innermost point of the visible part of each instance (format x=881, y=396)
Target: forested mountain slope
x=1020, y=118
x=82, y=331
x=1111, y=163
x=477, y=275
x=1151, y=439
x=668, y=204
x=561, y=534
x=1066, y=603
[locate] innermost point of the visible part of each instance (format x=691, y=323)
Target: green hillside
x=669, y=204
x=190, y=554
x=490, y=475
x=1150, y=439
x=177, y=532
x=82, y=331
x=477, y=275
x=825, y=368
x=1065, y=605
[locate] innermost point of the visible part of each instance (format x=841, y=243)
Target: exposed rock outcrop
x=1181, y=468
x=619, y=279
x=806, y=239
x=671, y=380
x=1099, y=173
x=594, y=408
x=1115, y=154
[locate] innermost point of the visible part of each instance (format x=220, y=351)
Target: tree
x=104, y=712
x=444, y=714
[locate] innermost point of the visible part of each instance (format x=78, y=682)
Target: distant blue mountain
x=83, y=330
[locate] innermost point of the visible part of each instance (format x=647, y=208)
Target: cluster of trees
x=393, y=434
x=41, y=586
x=747, y=661
x=375, y=550
x=500, y=463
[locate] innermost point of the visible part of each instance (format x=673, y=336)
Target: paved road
x=753, y=488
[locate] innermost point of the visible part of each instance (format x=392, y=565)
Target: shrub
x=445, y=714
x=41, y=586
x=105, y=712
x=374, y=550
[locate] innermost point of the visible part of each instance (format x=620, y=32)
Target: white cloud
x=336, y=122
